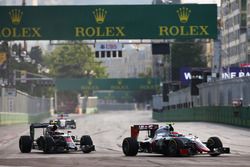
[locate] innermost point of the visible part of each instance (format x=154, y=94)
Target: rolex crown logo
x=100, y=15
x=119, y=82
x=16, y=16
x=183, y=14
x=149, y=82
x=90, y=83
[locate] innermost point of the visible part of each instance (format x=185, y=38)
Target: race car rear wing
x=151, y=128
x=61, y=116
x=34, y=126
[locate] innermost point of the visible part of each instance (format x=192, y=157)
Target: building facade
x=135, y=61
x=248, y=29
x=155, y=2
x=234, y=34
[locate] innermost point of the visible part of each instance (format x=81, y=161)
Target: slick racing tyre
x=86, y=144
x=48, y=144
x=214, y=143
x=25, y=144
x=173, y=147
x=130, y=146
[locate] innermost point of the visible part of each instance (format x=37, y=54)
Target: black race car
x=54, y=141
x=164, y=140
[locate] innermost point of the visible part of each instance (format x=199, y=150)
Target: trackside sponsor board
x=176, y=21
x=234, y=72
x=186, y=75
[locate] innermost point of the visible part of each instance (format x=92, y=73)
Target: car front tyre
x=86, y=144
x=214, y=143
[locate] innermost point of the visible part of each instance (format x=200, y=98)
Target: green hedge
x=239, y=116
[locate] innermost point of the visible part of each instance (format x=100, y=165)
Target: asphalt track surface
x=108, y=129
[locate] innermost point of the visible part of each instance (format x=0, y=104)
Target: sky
x=201, y=1
x=96, y=2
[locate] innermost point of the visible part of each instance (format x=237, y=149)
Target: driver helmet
x=163, y=130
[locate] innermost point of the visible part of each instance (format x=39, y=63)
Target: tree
x=14, y=61
x=148, y=73
x=36, y=54
x=74, y=61
x=186, y=54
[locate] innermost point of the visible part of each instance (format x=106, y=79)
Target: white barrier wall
x=216, y=93
x=24, y=103
x=224, y=92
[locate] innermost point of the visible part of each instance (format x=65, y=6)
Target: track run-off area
x=108, y=129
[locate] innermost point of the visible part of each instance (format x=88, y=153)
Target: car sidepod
x=70, y=143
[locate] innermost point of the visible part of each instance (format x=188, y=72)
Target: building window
x=243, y=5
x=114, y=54
x=248, y=34
x=243, y=22
x=102, y=54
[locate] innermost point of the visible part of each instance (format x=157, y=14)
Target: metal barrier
x=19, y=107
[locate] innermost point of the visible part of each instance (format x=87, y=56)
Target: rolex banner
x=107, y=84
x=183, y=21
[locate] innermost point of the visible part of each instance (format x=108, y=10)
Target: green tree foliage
x=74, y=61
x=19, y=60
x=36, y=54
x=186, y=54
x=148, y=73
x=143, y=96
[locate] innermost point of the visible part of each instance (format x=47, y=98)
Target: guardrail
x=239, y=116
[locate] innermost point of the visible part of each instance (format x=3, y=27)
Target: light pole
x=170, y=63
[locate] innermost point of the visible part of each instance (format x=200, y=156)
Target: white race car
x=64, y=122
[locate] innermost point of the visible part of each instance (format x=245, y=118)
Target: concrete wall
x=239, y=116
x=19, y=107
x=216, y=93
x=223, y=92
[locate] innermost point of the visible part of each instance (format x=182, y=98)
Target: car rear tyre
x=87, y=143
x=25, y=144
x=214, y=143
x=130, y=146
